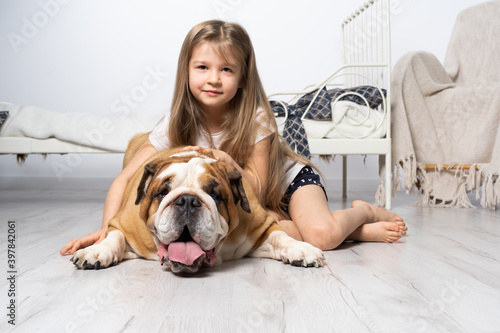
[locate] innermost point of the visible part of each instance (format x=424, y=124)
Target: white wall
x=87, y=56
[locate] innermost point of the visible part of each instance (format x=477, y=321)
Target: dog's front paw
x=94, y=257
x=107, y=253
x=282, y=247
x=302, y=254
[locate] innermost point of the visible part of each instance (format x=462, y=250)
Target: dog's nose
x=187, y=203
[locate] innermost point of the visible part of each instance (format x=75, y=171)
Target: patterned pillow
x=320, y=109
x=372, y=95
x=3, y=116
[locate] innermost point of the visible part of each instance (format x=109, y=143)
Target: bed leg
x=388, y=180
x=344, y=176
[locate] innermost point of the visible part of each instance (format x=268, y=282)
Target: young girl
x=219, y=104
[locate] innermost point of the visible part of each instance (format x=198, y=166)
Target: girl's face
x=212, y=80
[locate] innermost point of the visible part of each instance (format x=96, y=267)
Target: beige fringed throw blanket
x=452, y=116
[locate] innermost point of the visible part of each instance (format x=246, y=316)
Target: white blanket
x=349, y=121
x=111, y=132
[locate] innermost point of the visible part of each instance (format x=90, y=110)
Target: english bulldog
x=188, y=210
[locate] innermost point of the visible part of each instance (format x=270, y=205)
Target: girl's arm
x=113, y=199
x=257, y=166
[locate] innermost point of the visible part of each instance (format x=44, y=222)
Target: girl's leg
x=313, y=222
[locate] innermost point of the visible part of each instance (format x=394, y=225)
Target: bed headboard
x=366, y=40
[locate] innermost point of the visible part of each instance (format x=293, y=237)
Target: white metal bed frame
x=367, y=61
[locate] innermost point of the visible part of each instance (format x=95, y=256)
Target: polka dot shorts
x=306, y=176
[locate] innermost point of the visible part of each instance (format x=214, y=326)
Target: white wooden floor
x=443, y=277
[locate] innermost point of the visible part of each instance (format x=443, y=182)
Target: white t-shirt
x=159, y=136
x=159, y=139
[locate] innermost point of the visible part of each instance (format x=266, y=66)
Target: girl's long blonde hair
x=240, y=126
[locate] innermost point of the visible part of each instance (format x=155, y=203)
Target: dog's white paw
x=107, y=253
x=302, y=254
x=280, y=246
x=94, y=257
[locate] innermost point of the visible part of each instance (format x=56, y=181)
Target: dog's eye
x=163, y=190
x=162, y=194
x=213, y=190
x=216, y=196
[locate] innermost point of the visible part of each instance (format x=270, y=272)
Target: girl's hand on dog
x=79, y=243
x=218, y=154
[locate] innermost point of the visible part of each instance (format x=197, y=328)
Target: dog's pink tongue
x=185, y=253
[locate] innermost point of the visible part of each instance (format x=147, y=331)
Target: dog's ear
x=238, y=190
x=149, y=171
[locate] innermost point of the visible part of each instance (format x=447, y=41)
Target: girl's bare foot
x=385, y=226
x=382, y=215
x=387, y=232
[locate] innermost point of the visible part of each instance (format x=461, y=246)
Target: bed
x=34, y=130
x=357, y=95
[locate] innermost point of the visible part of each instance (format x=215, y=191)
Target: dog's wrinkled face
x=188, y=201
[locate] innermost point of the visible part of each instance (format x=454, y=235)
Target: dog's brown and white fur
x=189, y=210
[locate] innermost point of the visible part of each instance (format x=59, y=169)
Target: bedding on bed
x=3, y=116
x=332, y=114
x=110, y=132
